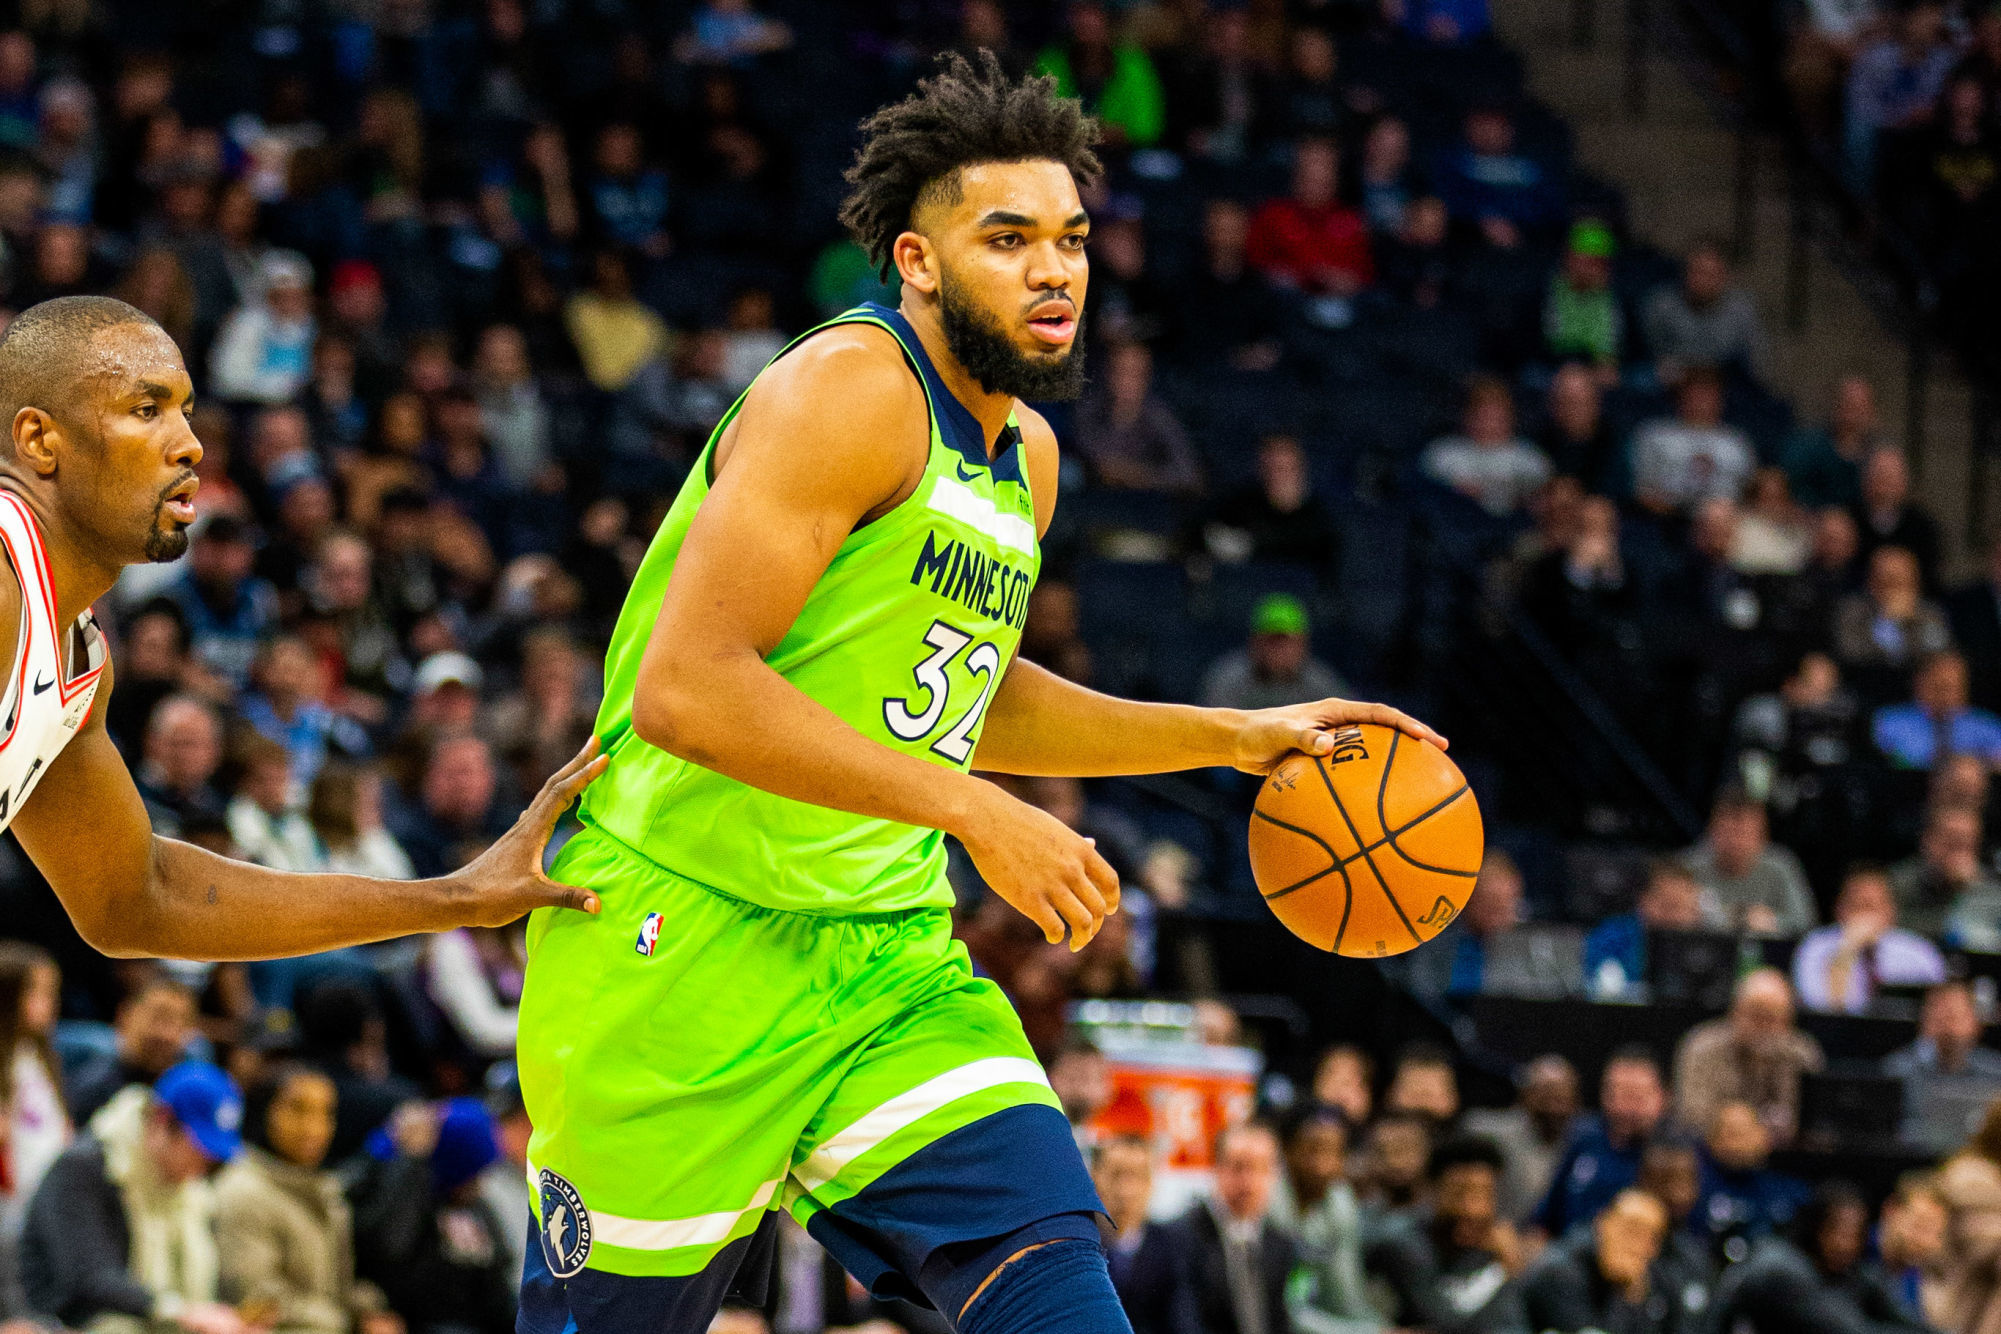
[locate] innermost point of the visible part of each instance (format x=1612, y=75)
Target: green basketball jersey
x=905, y=636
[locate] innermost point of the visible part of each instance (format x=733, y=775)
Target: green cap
x=1592, y=237
x=1278, y=614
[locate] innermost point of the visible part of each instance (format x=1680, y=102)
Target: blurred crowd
x=1378, y=378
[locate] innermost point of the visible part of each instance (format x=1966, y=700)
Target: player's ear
x=35, y=435
x=916, y=262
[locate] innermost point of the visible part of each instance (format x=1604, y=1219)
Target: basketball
x=1370, y=849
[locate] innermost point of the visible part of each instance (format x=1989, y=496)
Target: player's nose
x=183, y=449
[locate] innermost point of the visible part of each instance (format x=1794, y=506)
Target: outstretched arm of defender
x=131, y=892
x=797, y=480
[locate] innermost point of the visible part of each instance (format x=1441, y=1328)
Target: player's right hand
x=1041, y=867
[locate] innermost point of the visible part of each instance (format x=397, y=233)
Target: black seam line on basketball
x=1406, y=827
x=1383, y=818
x=1328, y=780
x=1382, y=786
x=1333, y=857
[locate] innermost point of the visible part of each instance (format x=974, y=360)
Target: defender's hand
x=506, y=881
x=1269, y=735
x=1043, y=868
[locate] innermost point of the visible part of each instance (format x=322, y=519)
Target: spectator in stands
x=1581, y=317
x=1671, y=1172
x=1603, y=1155
x=1945, y=892
x=1824, y=45
x=1314, y=1205
x=1487, y=181
x=177, y=768
x=1707, y=322
x=1228, y=314
x=473, y=975
x=628, y=197
x=283, y=1227
x=153, y=1026
x=1887, y=516
x=1082, y=1081
x=227, y=609
x=123, y=1224
x=1279, y=517
x=1345, y=1079
x=288, y=707
x=264, y=819
x=1975, y=613
x=1143, y=1256
x=1754, y=1055
x=459, y=808
x=1816, y=1281
x=1576, y=438
x=1533, y=1132
x=1237, y=1260
x=1454, y=1267
x=1970, y=1184
x=1456, y=971
x=1692, y=456
x=1115, y=79
x=1442, y=22
x=1938, y=721
x=1220, y=97
x=1894, y=84
x=1615, y=953
x=1487, y=462
x=1389, y=182
x=1311, y=240
x=1773, y=534
x=1129, y=436
x=1392, y=1182
x=616, y=337
x=731, y=32
x=1886, y=631
x=1743, y=1199
x=1838, y=967
x=423, y=1232
x=1419, y=264
x=1601, y=1280
x=1424, y=1082
x=1948, y=1041
x=1912, y=1244
x=1277, y=667
x=34, y=1126
x=1824, y=463
x=264, y=352
x=1792, y=743
x=1751, y=883
x=342, y=1034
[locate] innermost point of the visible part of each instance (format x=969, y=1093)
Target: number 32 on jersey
x=917, y=715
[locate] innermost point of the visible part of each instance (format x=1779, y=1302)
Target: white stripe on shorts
x=825, y=1163
x=665, y=1234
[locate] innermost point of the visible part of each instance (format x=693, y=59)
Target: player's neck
x=989, y=410
x=79, y=580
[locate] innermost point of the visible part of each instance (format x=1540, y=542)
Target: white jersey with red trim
x=53, y=680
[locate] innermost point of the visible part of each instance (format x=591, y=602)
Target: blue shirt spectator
x=1488, y=182
x=1910, y=735
x=1615, y=953
x=228, y=610
x=1446, y=22
x=1742, y=1198
x=1603, y=1154
x=628, y=197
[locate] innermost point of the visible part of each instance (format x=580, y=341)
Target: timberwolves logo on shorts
x=566, y=1226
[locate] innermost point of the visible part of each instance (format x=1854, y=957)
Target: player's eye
x=1075, y=240
x=148, y=410
x=1008, y=240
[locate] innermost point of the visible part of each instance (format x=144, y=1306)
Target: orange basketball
x=1370, y=849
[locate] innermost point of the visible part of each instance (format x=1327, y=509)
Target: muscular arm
x=794, y=481
x=1040, y=723
x=132, y=893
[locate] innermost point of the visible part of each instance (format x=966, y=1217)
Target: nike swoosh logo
x=43, y=684
x=965, y=476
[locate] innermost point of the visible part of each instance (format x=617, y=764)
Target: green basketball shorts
x=691, y=1061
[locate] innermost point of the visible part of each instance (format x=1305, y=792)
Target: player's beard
x=166, y=540
x=982, y=346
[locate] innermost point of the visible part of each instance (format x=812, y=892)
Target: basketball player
x=771, y=1011
x=97, y=473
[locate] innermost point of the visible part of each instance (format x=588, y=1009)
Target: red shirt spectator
x=1312, y=240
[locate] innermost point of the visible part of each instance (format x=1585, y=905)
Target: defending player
x=771, y=1011
x=97, y=473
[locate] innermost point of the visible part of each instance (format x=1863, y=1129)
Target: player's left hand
x=1269, y=735
x=506, y=881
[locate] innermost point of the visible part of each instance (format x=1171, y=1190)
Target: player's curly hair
x=963, y=115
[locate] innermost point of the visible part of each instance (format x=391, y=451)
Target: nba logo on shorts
x=566, y=1226
x=649, y=935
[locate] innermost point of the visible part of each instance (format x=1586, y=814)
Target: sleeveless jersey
x=905, y=637
x=49, y=692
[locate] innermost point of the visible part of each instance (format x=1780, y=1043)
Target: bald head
x=51, y=346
